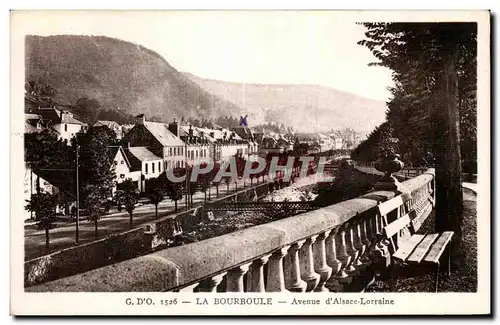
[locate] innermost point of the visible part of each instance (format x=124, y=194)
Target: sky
x=293, y=47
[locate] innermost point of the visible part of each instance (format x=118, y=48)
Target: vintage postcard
x=250, y=162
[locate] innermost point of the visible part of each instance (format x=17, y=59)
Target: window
x=196, y=153
x=159, y=166
x=65, y=127
x=146, y=170
x=121, y=162
x=170, y=151
x=175, y=151
x=153, y=168
x=182, y=151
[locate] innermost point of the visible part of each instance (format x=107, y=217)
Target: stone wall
x=86, y=257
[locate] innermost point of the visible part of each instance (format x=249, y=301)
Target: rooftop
x=162, y=134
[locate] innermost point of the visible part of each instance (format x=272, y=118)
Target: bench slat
x=439, y=246
x=407, y=247
x=385, y=207
x=424, y=246
x=397, y=225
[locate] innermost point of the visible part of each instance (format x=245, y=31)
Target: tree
x=129, y=195
x=174, y=189
x=38, y=94
x=88, y=107
x=43, y=205
x=155, y=192
x=434, y=71
x=44, y=152
x=93, y=204
x=96, y=162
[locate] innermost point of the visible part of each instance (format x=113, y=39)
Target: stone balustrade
x=334, y=248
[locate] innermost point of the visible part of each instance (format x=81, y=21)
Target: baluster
x=293, y=282
x=275, y=275
x=331, y=259
x=234, y=278
x=307, y=264
x=255, y=276
x=350, y=249
x=366, y=240
x=210, y=284
x=189, y=288
x=343, y=257
x=320, y=265
x=356, y=241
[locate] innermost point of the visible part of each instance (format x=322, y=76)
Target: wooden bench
x=404, y=245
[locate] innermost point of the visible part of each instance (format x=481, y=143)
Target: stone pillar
x=293, y=282
x=210, y=284
x=320, y=265
x=356, y=242
x=367, y=239
x=234, y=278
x=350, y=249
x=331, y=259
x=275, y=275
x=307, y=264
x=255, y=276
x=343, y=257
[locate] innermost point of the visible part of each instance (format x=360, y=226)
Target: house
x=61, y=121
x=30, y=187
x=141, y=165
x=33, y=123
x=199, y=148
x=231, y=145
x=247, y=134
x=160, y=139
x=113, y=126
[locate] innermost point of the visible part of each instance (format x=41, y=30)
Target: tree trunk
x=47, y=245
x=209, y=193
x=227, y=190
x=175, y=206
x=96, y=234
x=217, y=191
x=38, y=183
x=156, y=211
x=447, y=152
x=130, y=221
x=205, y=197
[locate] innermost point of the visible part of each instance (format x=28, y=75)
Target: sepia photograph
x=203, y=161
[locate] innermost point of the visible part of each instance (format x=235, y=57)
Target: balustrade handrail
x=188, y=265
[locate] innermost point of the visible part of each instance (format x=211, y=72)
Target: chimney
x=128, y=145
x=190, y=130
x=140, y=119
x=212, y=134
x=174, y=128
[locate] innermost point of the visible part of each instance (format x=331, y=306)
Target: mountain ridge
x=317, y=107
x=121, y=75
